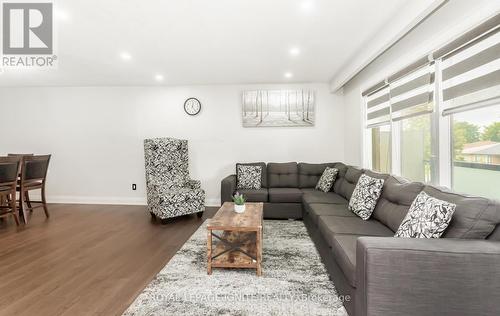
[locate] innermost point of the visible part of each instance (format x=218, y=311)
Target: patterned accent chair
x=170, y=191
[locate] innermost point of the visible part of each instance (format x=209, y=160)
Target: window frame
x=396, y=132
x=441, y=135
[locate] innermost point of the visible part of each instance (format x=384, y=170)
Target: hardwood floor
x=85, y=259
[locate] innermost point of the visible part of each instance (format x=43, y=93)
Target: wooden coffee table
x=240, y=238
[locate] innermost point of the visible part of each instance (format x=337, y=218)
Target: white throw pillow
x=427, y=217
x=327, y=179
x=365, y=196
x=249, y=177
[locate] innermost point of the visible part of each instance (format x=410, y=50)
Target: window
x=378, y=123
x=438, y=120
x=416, y=149
x=476, y=151
x=381, y=148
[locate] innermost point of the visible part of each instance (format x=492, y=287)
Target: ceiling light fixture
x=125, y=56
x=288, y=75
x=294, y=51
x=307, y=5
x=159, y=77
x=61, y=15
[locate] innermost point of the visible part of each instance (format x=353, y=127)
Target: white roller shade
x=378, y=110
x=472, y=75
x=413, y=94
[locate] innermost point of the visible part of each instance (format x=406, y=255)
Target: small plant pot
x=239, y=208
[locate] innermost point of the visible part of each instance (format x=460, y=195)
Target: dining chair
x=9, y=172
x=26, y=196
x=33, y=177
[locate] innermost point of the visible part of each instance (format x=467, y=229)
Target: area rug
x=294, y=280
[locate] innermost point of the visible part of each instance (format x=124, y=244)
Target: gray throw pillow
x=249, y=177
x=365, y=196
x=327, y=179
x=427, y=217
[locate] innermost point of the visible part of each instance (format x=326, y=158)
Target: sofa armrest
x=227, y=188
x=405, y=276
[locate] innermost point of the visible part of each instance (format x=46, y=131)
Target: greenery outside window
x=476, y=151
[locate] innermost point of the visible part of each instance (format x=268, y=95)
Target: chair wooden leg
x=22, y=208
x=2, y=201
x=27, y=199
x=44, y=202
x=14, y=210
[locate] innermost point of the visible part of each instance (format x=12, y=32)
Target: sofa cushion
x=428, y=217
x=249, y=177
x=344, y=249
x=346, y=184
x=365, y=196
x=309, y=173
x=315, y=196
x=474, y=217
x=395, y=201
x=316, y=210
x=260, y=195
x=376, y=175
x=263, y=174
x=285, y=195
x=325, y=183
x=495, y=235
x=283, y=175
x=334, y=225
x=342, y=168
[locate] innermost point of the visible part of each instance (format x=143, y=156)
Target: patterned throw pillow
x=365, y=196
x=327, y=179
x=427, y=217
x=249, y=177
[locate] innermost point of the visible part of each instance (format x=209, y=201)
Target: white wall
x=451, y=20
x=95, y=135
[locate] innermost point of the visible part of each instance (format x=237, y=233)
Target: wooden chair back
x=9, y=172
x=34, y=168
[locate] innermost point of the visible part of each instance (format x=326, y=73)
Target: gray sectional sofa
x=458, y=274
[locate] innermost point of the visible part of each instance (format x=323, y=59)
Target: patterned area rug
x=294, y=281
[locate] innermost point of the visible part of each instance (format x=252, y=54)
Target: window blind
x=378, y=110
x=472, y=74
x=487, y=28
x=413, y=94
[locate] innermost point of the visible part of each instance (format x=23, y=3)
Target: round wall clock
x=192, y=106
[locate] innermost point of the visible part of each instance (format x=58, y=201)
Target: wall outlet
x=134, y=186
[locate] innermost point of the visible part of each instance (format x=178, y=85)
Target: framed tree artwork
x=277, y=108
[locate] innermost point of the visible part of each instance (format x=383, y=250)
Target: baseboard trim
x=212, y=202
x=65, y=199
x=96, y=200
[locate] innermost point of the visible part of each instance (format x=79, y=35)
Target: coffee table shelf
x=239, y=238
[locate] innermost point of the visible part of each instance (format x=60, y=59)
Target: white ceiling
x=208, y=42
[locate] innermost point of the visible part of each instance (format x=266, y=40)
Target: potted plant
x=239, y=203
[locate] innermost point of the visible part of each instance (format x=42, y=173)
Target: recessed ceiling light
x=159, y=77
x=294, y=51
x=288, y=75
x=307, y=5
x=61, y=15
x=125, y=56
